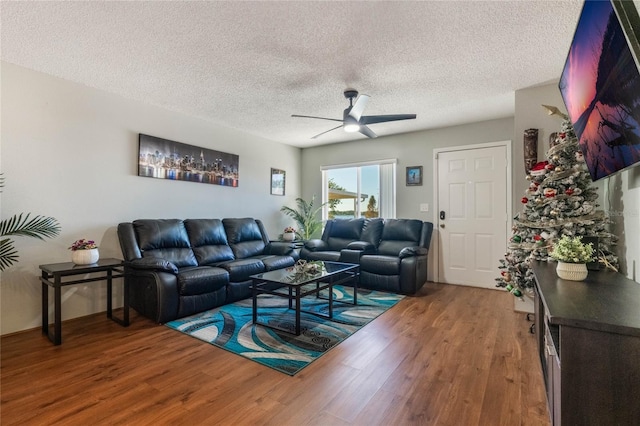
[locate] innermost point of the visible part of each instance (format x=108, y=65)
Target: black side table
x=110, y=268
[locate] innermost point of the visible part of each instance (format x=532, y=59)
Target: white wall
x=622, y=201
x=410, y=149
x=70, y=152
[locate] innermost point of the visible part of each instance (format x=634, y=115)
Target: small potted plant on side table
x=289, y=234
x=572, y=256
x=84, y=252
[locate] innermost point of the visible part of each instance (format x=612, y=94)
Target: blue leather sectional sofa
x=392, y=253
x=175, y=268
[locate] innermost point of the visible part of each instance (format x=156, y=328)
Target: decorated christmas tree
x=560, y=200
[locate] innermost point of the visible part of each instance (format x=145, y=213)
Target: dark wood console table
x=52, y=275
x=588, y=336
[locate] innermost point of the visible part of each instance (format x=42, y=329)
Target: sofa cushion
x=402, y=229
x=242, y=269
x=398, y=234
x=244, y=236
x=381, y=265
x=201, y=279
x=208, y=240
x=372, y=231
x=344, y=231
x=165, y=239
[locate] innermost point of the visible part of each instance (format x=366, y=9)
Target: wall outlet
x=424, y=207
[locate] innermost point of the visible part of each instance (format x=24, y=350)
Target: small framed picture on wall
x=414, y=176
x=278, y=178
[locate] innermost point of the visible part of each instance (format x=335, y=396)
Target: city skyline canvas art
x=165, y=159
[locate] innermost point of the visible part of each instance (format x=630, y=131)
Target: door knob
x=442, y=225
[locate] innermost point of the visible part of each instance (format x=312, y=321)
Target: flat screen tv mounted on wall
x=600, y=85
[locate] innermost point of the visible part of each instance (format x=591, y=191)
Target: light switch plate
x=424, y=207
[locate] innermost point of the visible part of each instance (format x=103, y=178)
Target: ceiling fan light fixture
x=351, y=124
x=352, y=118
x=351, y=127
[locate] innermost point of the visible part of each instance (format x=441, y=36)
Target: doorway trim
x=509, y=223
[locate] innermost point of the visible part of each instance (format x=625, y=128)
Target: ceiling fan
x=352, y=118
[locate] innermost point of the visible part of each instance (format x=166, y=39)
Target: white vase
x=572, y=271
x=85, y=257
x=288, y=236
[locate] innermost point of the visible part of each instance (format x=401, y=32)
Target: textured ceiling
x=250, y=65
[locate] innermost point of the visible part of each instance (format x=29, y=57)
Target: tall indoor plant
x=26, y=226
x=306, y=216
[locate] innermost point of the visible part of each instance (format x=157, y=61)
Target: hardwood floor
x=449, y=356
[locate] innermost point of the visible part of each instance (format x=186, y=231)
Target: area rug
x=230, y=327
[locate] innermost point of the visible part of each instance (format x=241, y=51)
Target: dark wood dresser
x=588, y=336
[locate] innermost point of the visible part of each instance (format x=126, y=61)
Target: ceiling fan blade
x=358, y=107
x=371, y=119
x=320, y=118
x=367, y=131
x=330, y=130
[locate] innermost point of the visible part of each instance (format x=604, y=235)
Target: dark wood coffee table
x=294, y=286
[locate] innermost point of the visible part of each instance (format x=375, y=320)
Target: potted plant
x=572, y=256
x=39, y=227
x=84, y=252
x=289, y=234
x=306, y=217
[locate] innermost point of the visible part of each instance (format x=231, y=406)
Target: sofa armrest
x=152, y=264
x=316, y=245
x=362, y=246
x=413, y=251
x=279, y=248
x=153, y=293
x=350, y=256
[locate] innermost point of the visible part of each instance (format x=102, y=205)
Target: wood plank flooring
x=449, y=356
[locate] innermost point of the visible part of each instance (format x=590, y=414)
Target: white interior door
x=472, y=216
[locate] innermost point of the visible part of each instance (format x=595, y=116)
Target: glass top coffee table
x=302, y=280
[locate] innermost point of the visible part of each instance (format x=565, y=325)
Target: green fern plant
x=23, y=225
x=306, y=217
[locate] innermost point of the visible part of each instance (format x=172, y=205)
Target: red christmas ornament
x=537, y=237
x=524, y=200
x=569, y=191
x=549, y=192
x=562, y=135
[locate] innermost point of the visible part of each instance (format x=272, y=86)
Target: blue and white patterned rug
x=230, y=327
